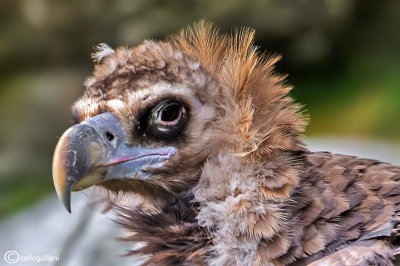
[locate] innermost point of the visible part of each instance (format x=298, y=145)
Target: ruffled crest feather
x=253, y=96
x=101, y=51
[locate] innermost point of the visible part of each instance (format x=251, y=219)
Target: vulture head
x=152, y=116
x=202, y=129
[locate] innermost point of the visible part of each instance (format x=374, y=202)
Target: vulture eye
x=169, y=113
x=167, y=120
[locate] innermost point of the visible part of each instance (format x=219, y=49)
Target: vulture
x=200, y=137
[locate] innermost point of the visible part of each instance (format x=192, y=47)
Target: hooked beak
x=95, y=151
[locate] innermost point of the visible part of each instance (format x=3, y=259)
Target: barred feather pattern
x=345, y=211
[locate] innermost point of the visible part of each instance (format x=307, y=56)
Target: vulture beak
x=95, y=151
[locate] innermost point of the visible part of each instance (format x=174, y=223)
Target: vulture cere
x=201, y=139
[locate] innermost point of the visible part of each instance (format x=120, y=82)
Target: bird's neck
x=246, y=207
x=240, y=213
x=171, y=235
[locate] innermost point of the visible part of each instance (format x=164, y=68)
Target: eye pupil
x=170, y=112
x=167, y=115
x=167, y=119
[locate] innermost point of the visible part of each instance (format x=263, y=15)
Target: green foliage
x=18, y=192
x=360, y=103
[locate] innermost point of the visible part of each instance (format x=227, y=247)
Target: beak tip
x=64, y=194
x=66, y=200
x=67, y=205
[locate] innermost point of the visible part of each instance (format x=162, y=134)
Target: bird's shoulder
x=351, y=203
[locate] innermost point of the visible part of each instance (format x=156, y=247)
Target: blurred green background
x=342, y=56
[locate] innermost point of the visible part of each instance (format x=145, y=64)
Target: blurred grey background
x=342, y=56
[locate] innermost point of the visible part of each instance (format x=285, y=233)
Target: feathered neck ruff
x=244, y=191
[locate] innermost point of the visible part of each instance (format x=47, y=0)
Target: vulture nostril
x=109, y=136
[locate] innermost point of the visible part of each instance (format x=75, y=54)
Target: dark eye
x=169, y=113
x=165, y=121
